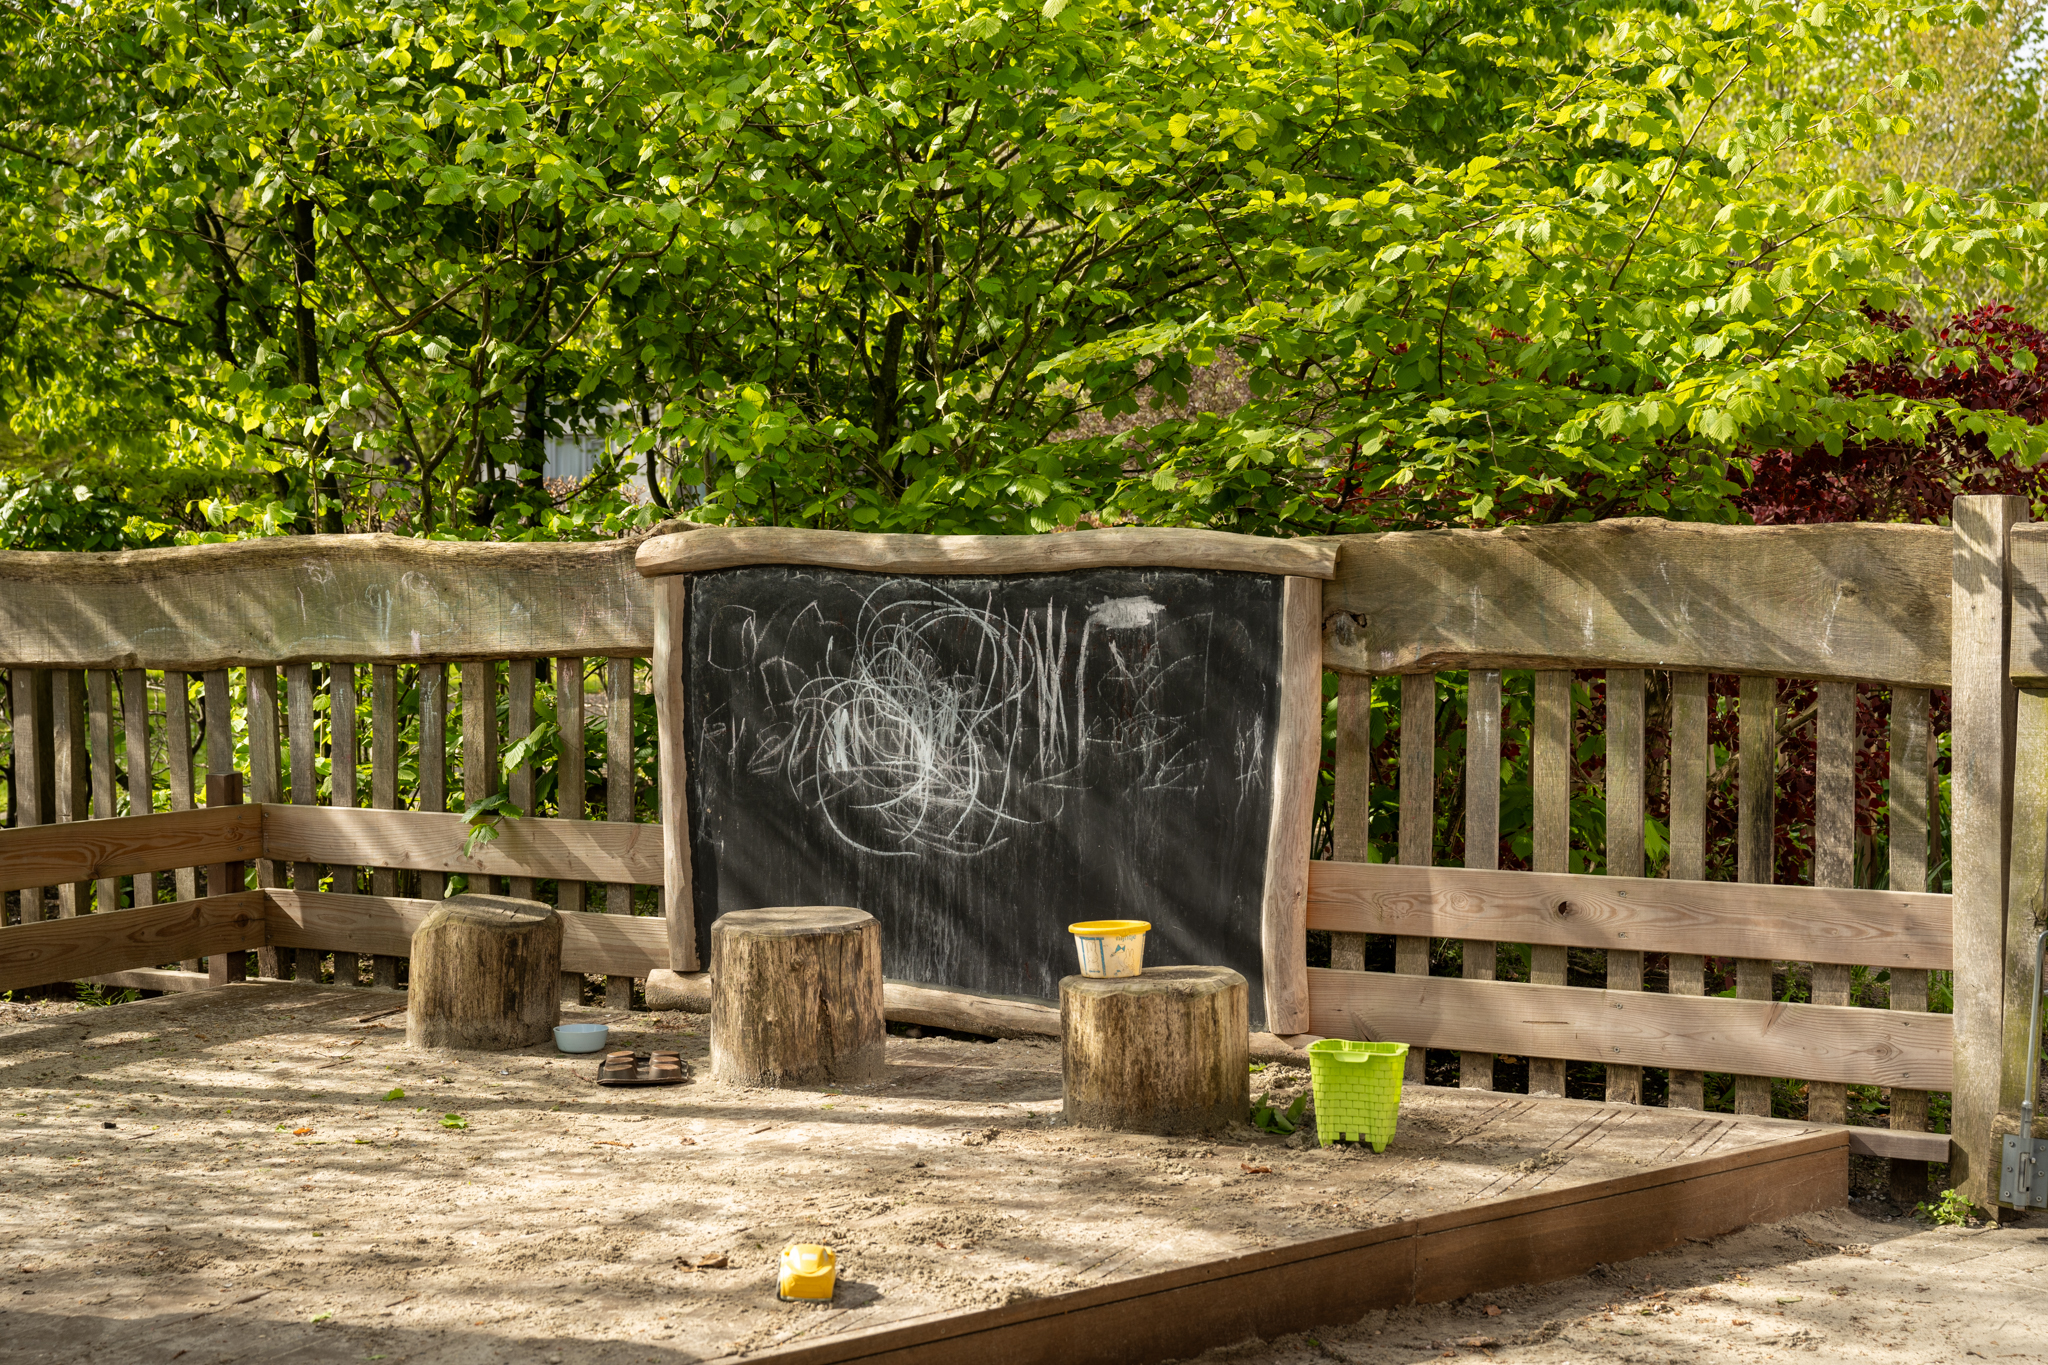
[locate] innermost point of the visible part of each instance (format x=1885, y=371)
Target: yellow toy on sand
x=809, y=1273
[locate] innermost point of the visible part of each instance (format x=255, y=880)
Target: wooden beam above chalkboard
x=717, y=547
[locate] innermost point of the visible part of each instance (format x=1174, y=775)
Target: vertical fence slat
x=1691, y=768
x=569, y=786
x=1756, y=820
x=618, y=797
x=266, y=777
x=99, y=704
x=384, y=794
x=1907, y=798
x=519, y=679
x=1625, y=735
x=672, y=782
x=341, y=790
x=219, y=702
x=480, y=740
x=304, y=741
x=141, y=778
x=1418, y=820
x=1550, y=763
x=1351, y=806
x=1834, y=859
x=32, y=758
x=178, y=754
x=74, y=794
x=1482, y=837
x=433, y=766
x=223, y=788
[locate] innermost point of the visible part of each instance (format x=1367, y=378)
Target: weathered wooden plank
x=1755, y=848
x=384, y=795
x=34, y=761
x=343, y=754
x=266, y=775
x=1981, y=709
x=1691, y=766
x=151, y=979
x=1297, y=760
x=99, y=701
x=1845, y=601
x=44, y=855
x=618, y=796
x=1550, y=776
x=296, y=599
x=616, y=945
x=301, y=726
x=65, y=950
x=433, y=765
x=2027, y=585
x=1834, y=859
x=673, y=760
x=1626, y=723
x=570, y=781
x=219, y=704
x=2020, y=1044
x=1803, y=923
x=74, y=796
x=479, y=685
x=622, y=852
x=179, y=747
x=140, y=770
x=1864, y=1047
x=1908, y=801
x=1351, y=803
x=1482, y=838
x=1418, y=819
x=722, y=547
x=519, y=683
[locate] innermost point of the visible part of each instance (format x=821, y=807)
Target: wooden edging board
x=1728, y=919
x=431, y=841
x=726, y=547
x=86, y=945
x=1528, y=1240
x=122, y=846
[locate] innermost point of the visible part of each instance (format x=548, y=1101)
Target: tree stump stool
x=484, y=974
x=796, y=996
x=1167, y=1051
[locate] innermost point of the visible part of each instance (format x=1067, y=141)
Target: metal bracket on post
x=2023, y=1174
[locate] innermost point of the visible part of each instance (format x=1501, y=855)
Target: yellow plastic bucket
x=1110, y=947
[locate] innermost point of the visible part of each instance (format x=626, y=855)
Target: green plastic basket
x=1357, y=1088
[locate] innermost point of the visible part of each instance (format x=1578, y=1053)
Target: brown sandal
x=642, y=1068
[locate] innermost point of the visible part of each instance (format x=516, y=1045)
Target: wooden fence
x=286, y=637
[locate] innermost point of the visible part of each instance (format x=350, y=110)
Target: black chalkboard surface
x=980, y=761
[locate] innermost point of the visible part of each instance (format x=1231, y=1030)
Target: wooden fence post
x=1982, y=703
x=224, y=789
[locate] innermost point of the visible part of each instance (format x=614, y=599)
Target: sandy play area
x=259, y=1173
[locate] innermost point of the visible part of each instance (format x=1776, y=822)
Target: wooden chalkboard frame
x=1304, y=565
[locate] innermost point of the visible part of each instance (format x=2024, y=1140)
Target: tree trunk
x=796, y=996
x=484, y=972
x=1163, y=1052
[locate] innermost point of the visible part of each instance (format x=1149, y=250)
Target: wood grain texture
x=266, y=773
x=29, y=693
x=433, y=762
x=179, y=747
x=45, y=855
x=65, y=950
x=1297, y=759
x=477, y=681
x=519, y=683
x=1550, y=775
x=2028, y=908
x=1351, y=800
x=1981, y=709
x=483, y=975
x=432, y=842
x=343, y=763
x=1181, y=1313
x=1755, y=848
x=302, y=739
x=721, y=547
x=1834, y=858
x=797, y=996
x=1843, y=601
x=99, y=724
x=618, y=796
x=384, y=795
x=1723, y=919
x=2027, y=586
x=296, y=599
x=136, y=756
x=1626, y=723
x=678, y=899
x=1908, y=801
x=1863, y=1047
x=1418, y=822
x=1161, y=1052
x=73, y=794
x=384, y=924
x=1482, y=839
x=1690, y=766
x=903, y=1002
x=569, y=789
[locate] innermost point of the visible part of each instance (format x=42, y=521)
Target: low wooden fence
x=463, y=651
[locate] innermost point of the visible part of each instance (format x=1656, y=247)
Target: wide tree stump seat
x=796, y=996
x=1167, y=1051
x=484, y=974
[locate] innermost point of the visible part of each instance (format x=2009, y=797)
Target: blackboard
x=980, y=761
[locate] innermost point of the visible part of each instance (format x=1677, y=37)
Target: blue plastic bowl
x=581, y=1037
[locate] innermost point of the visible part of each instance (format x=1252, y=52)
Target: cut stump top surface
x=1157, y=981
x=503, y=912
x=793, y=921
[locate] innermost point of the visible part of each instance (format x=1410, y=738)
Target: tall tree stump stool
x=1167, y=1051
x=484, y=974
x=796, y=996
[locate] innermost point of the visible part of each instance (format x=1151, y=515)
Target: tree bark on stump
x=796, y=996
x=1166, y=1051
x=484, y=974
